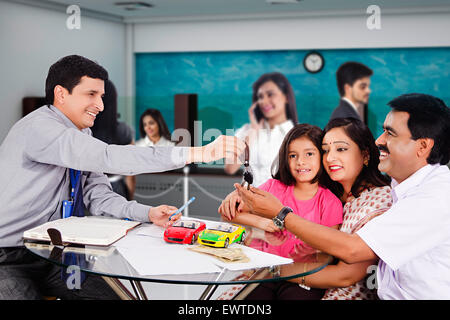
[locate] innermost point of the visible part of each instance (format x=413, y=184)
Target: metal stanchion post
x=186, y=189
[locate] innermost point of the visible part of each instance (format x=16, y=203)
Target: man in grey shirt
x=35, y=158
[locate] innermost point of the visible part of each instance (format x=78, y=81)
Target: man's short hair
x=429, y=117
x=68, y=71
x=349, y=73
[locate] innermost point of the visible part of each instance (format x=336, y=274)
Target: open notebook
x=95, y=231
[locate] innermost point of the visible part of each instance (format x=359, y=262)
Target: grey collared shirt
x=34, y=175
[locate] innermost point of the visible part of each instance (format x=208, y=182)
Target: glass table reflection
x=109, y=263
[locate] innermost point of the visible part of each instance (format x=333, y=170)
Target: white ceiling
x=200, y=9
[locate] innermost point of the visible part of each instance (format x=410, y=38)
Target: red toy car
x=184, y=231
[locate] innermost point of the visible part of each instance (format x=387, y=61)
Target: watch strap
x=279, y=219
x=283, y=213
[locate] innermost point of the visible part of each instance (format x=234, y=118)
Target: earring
x=366, y=162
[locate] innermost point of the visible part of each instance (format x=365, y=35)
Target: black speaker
x=29, y=104
x=185, y=114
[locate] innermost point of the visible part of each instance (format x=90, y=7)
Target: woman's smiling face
x=342, y=159
x=151, y=127
x=272, y=101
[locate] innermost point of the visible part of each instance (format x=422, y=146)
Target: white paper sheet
x=154, y=256
x=148, y=253
x=151, y=230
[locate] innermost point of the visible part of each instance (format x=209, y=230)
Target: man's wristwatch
x=278, y=221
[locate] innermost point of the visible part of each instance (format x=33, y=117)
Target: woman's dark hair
x=369, y=176
x=106, y=122
x=429, y=117
x=68, y=71
x=157, y=116
x=311, y=132
x=283, y=83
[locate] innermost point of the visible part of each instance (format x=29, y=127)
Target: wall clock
x=313, y=62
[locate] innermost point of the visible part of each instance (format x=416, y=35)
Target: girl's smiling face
x=304, y=159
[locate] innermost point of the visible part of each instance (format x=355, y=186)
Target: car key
x=248, y=174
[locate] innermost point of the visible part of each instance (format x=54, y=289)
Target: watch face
x=313, y=62
x=278, y=223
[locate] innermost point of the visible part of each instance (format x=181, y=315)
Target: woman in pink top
x=296, y=185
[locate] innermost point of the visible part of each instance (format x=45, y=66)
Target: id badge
x=67, y=207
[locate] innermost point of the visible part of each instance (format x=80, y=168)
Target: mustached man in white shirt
x=412, y=238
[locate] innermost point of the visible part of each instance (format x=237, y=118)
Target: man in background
x=353, y=82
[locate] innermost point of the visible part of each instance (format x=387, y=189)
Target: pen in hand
x=182, y=207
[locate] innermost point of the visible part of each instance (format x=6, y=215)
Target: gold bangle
x=303, y=278
x=303, y=285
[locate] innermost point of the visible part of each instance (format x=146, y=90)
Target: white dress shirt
x=412, y=239
x=264, y=150
x=350, y=103
x=162, y=142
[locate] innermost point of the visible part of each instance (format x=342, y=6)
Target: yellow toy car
x=222, y=235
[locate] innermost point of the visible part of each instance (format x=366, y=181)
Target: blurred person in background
x=109, y=129
x=153, y=130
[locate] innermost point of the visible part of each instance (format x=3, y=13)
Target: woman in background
x=110, y=130
x=153, y=130
x=272, y=114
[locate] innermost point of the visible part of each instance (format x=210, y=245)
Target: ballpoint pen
x=182, y=207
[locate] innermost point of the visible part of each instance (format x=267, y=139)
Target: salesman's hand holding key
x=228, y=147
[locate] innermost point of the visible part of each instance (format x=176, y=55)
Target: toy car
x=184, y=231
x=222, y=235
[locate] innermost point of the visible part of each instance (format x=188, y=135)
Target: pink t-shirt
x=324, y=208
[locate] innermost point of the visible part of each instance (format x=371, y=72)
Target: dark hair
x=106, y=122
x=429, y=117
x=311, y=132
x=369, y=176
x=349, y=73
x=68, y=71
x=157, y=116
x=283, y=83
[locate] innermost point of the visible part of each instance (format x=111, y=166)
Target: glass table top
x=110, y=261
